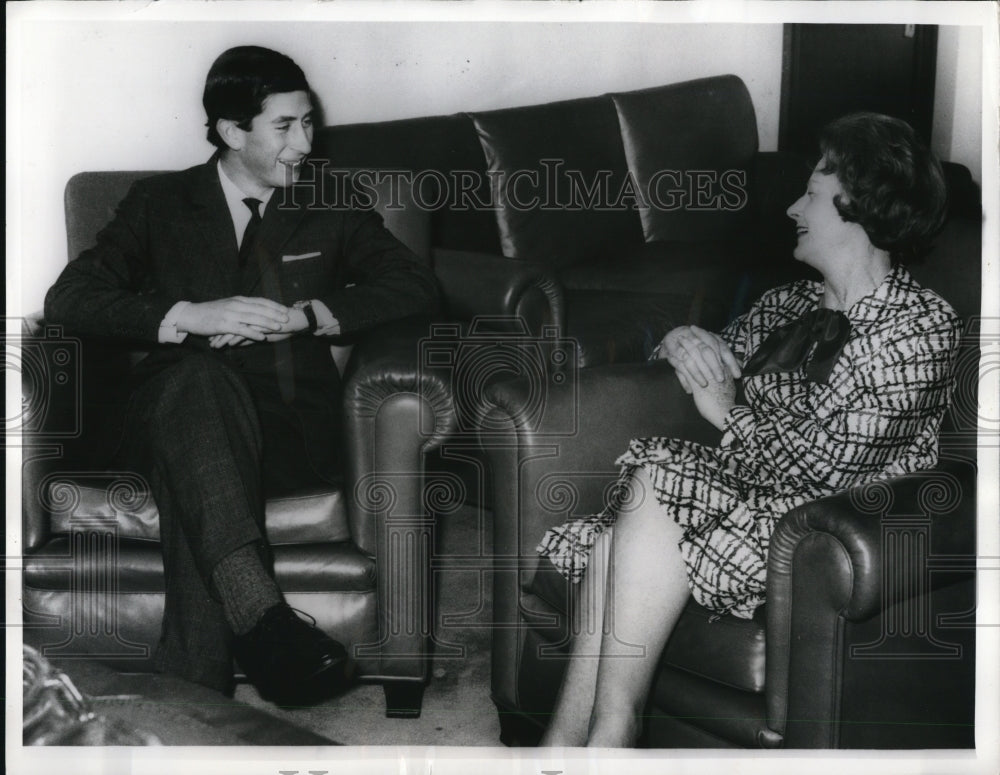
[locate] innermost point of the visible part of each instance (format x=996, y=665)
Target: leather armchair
x=355, y=557
x=867, y=638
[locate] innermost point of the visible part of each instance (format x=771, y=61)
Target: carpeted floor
x=457, y=710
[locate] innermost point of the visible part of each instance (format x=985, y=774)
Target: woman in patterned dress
x=845, y=382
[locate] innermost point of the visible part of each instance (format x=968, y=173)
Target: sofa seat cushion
x=725, y=650
x=679, y=268
x=622, y=326
x=307, y=517
x=618, y=308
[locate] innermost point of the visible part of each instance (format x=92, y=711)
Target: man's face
x=279, y=139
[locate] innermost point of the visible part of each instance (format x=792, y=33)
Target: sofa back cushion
x=689, y=146
x=558, y=172
x=442, y=155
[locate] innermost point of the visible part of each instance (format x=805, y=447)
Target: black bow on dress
x=787, y=347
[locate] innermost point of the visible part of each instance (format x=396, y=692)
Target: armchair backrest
x=91, y=198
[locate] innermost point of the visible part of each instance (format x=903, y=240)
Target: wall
x=127, y=95
x=957, y=134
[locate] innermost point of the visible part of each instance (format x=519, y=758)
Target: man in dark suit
x=237, y=285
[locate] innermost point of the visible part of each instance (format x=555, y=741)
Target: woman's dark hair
x=241, y=79
x=894, y=185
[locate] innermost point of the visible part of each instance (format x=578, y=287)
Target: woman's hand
x=699, y=357
x=715, y=399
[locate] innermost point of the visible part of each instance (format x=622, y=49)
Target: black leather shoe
x=290, y=660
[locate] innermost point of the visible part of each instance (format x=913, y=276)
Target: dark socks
x=246, y=589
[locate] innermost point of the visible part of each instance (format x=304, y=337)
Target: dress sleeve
x=774, y=307
x=735, y=335
x=883, y=405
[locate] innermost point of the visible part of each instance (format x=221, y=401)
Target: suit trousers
x=213, y=443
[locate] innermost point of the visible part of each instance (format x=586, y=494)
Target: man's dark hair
x=895, y=187
x=241, y=79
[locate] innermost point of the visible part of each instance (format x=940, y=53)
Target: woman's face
x=822, y=233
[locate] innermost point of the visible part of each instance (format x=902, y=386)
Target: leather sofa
x=648, y=209
x=606, y=274
x=867, y=639
x=356, y=557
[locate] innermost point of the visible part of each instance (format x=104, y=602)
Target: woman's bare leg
x=647, y=591
x=570, y=722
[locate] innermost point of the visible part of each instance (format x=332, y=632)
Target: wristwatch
x=307, y=308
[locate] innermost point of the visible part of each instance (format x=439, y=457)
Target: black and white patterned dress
x=795, y=440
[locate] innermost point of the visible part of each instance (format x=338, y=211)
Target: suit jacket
x=173, y=239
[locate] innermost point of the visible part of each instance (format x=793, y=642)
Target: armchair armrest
x=483, y=284
x=567, y=434
x=395, y=411
x=552, y=449
x=846, y=559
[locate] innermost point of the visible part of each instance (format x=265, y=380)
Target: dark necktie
x=787, y=347
x=250, y=235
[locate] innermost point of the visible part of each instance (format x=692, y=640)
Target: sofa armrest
x=846, y=559
x=487, y=285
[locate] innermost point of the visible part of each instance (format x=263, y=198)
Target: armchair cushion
x=299, y=567
x=304, y=517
